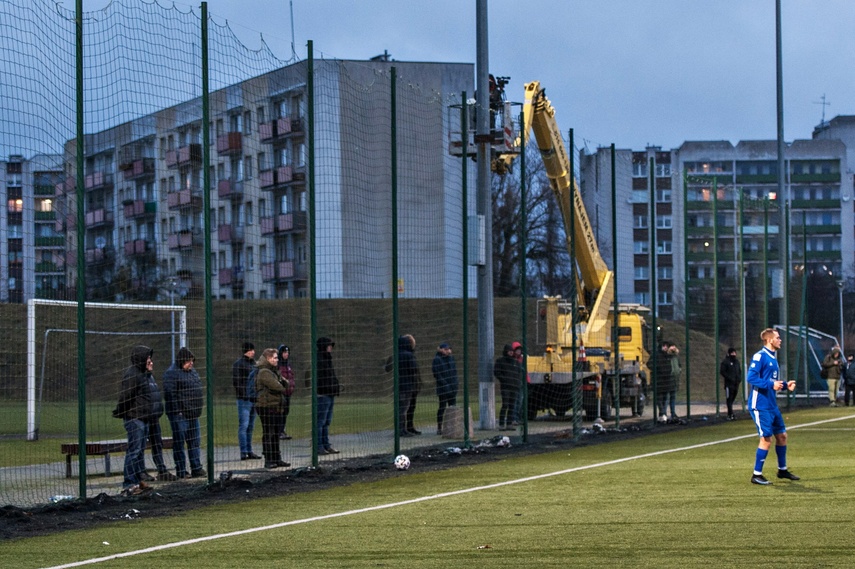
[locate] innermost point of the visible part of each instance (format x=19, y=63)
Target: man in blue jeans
x=139, y=402
x=182, y=388
x=328, y=389
x=245, y=401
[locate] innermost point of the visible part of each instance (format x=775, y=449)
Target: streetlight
x=840, y=284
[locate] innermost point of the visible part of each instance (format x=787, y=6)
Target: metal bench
x=104, y=448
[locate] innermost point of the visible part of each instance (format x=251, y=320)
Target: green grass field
x=681, y=498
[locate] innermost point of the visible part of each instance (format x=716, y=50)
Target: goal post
x=32, y=304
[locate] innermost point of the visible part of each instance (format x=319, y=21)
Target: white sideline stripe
x=425, y=498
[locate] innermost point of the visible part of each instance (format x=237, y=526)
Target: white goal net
x=53, y=354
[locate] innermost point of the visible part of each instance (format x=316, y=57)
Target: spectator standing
x=731, y=372
x=155, y=441
x=676, y=371
x=518, y=354
x=764, y=383
x=270, y=387
x=508, y=371
x=663, y=379
x=832, y=364
x=849, y=380
x=184, y=394
x=444, y=370
x=139, y=402
x=241, y=369
x=287, y=373
x=409, y=383
x=328, y=389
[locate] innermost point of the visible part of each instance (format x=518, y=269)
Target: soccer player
x=764, y=385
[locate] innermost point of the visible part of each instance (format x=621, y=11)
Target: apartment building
x=739, y=183
x=32, y=255
x=144, y=228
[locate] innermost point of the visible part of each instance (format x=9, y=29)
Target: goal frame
x=32, y=427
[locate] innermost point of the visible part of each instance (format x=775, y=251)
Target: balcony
x=229, y=143
x=138, y=248
x=48, y=267
x=230, y=233
x=99, y=255
x=42, y=190
x=135, y=209
x=283, y=271
x=99, y=218
x=189, y=198
x=190, y=155
x=98, y=181
x=65, y=187
x=183, y=240
x=231, y=276
x=279, y=128
x=55, y=241
x=138, y=169
x=230, y=189
x=45, y=216
x=284, y=223
x=281, y=175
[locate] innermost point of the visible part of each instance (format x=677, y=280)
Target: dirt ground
x=170, y=498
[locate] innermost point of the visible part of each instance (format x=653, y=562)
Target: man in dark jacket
x=182, y=388
x=139, y=403
x=444, y=370
x=509, y=372
x=328, y=390
x=245, y=401
x=409, y=383
x=731, y=371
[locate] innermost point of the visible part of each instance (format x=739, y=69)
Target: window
x=250, y=259
x=663, y=298
x=665, y=273
x=663, y=170
x=663, y=222
x=260, y=114
x=237, y=169
x=261, y=162
x=642, y=273
x=247, y=167
x=247, y=122
x=640, y=247
x=663, y=248
x=642, y=298
x=663, y=196
x=249, y=220
x=16, y=205
x=639, y=222
x=639, y=168
x=640, y=196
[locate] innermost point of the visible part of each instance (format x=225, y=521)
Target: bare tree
x=547, y=260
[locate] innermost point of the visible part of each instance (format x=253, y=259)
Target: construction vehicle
x=600, y=373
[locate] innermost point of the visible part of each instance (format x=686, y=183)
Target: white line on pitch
x=424, y=498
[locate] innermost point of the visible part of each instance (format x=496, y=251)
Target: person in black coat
x=444, y=370
x=139, y=404
x=509, y=373
x=328, y=390
x=409, y=383
x=182, y=388
x=731, y=372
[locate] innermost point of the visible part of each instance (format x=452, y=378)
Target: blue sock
x=781, y=451
x=759, y=460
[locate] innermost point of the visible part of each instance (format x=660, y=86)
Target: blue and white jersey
x=762, y=375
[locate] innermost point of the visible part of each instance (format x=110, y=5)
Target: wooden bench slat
x=104, y=448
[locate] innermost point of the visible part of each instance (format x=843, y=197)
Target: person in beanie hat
x=241, y=369
x=182, y=388
x=328, y=390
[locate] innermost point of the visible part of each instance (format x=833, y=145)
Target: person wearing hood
x=270, y=387
x=328, y=389
x=409, y=382
x=444, y=370
x=182, y=389
x=509, y=372
x=833, y=366
x=731, y=372
x=139, y=404
x=287, y=373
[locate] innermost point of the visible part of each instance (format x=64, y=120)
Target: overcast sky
x=628, y=72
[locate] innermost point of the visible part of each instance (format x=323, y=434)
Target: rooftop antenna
x=293, y=50
x=824, y=104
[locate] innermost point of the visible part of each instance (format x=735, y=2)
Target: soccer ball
x=402, y=462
